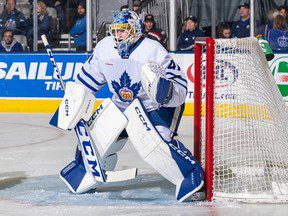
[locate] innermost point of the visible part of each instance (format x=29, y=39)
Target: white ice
x=32, y=153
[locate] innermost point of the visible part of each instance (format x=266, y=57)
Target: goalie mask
x=126, y=30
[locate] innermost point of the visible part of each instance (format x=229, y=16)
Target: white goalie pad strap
x=149, y=143
x=76, y=104
x=105, y=127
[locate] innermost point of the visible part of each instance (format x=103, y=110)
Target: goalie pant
x=150, y=135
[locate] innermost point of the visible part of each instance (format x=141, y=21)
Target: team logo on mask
x=125, y=91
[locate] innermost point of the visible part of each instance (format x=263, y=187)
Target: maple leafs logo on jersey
x=125, y=90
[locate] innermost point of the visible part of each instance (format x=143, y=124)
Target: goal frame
x=240, y=119
x=210, y=54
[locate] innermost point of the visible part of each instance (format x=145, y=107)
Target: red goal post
x=198, y=48
x=242, y=141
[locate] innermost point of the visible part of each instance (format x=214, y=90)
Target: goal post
x=198, y=50
x=240, y=122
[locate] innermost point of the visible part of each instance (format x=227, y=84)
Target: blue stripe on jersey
x=86, y=84
x=180, y=84
x=136, y=45
x=90, y=77
x=176, y=76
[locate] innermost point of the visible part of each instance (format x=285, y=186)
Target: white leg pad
x=105, y=127
x=149, y=144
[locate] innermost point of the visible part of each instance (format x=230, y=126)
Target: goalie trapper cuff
x=164, y=91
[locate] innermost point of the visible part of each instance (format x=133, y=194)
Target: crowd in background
x=52, y=20
x=13, y=23
x=276, y=31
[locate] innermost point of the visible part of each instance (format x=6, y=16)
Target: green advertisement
x=279, y=68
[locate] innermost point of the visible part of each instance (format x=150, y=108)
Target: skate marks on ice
x=145, y=189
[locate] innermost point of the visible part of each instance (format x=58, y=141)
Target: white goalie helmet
x=126, y=30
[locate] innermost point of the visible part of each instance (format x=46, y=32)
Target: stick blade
x=122, y=175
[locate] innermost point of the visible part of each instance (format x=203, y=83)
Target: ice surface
x=32, y=153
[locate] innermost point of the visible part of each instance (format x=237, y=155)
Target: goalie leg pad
x=194, y=182
x=165, y=157
x=105, y=126
x=76, y=177
x=193, y=175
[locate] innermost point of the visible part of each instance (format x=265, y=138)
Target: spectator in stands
x=151, y=31
x=241, y=28
x=280, y=23
x=137, y=9
x=271, y=15
x=11, y=18
x=44, y=23
x=283, y=12
x=59, y=5
x=191, y=31
x=278, y=36
x=223, y=30
x=137, y=6
x=9, y=43
x=78, y=31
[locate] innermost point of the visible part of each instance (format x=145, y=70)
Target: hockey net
x=240, y=122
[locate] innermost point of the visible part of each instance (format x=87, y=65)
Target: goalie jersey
x=123, y=75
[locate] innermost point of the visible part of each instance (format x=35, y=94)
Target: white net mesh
x=251, y=133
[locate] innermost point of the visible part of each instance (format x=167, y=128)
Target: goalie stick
x=88, y=149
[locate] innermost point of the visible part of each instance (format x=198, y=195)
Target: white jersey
x=123, y=75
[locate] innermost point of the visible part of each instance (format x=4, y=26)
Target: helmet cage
x=126, y=23
x=121, y=30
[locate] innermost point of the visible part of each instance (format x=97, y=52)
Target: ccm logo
x=181, y=153
x=66, y=107
x=142, y=119
x=94, y=116
x=88, y=149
